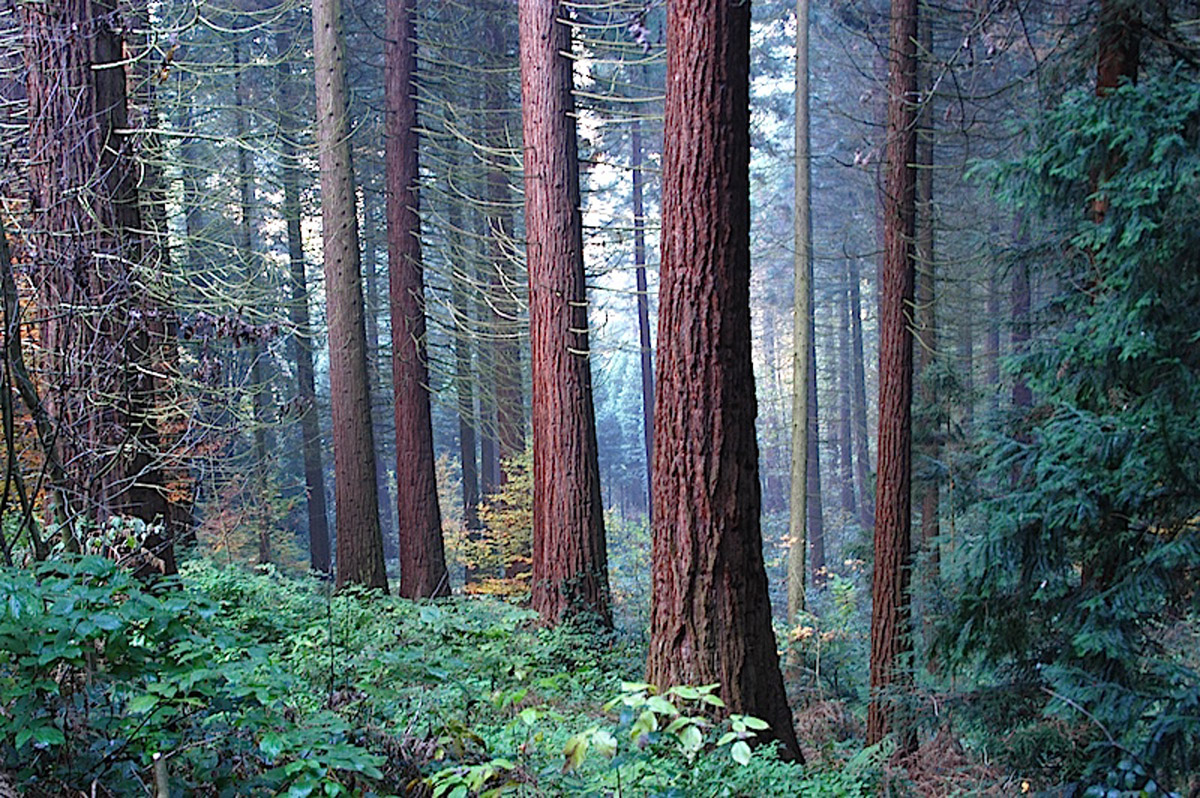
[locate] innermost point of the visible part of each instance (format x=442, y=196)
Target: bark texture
x=711, y=615
x=422, y=554
x=99, y=326
x=359, y=541
x=891, y=636
x=570, y=567
x=862, y=448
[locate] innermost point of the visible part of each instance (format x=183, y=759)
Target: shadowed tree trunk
x=422, y=556
x=87, y=231
x=814, y=505
x=858, y=380
x=310, y=430
x=845, y=402
x=570, y=568
x=359, y=541
x=891, y=637
x=711, y=615
x=643, y=306
x=925, y=311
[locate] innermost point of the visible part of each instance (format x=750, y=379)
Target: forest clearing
x=454, y=398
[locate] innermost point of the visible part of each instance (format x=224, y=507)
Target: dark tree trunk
x=858, y=380
x=359, y=541
x=814, y=505
x=711, y=615
x=891, y=638
x=992, y=342
x=845, y=402
x=464, y=379
x=570, y=568
x=87, y=231
x=643, y=305
x=1022, y=396
x=422, y=556
x=925, y=314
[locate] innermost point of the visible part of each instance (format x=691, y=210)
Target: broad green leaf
x=740, y=752
x=691, y=738
x=575, y=751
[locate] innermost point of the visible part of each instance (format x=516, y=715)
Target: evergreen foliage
x=1083, y=582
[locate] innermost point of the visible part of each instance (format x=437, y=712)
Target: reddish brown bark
x=711, y=616
x=422, y=556
x=891, y=637
x=310, y=430
x=570, y=568
x=359, y=541
x=99, y=325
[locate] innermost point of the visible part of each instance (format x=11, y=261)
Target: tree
x=891, y=640
x=359, y=541
x=98, y=330
x=711, y=616
x=802, y=331
x=570, y=569
x=422, y=556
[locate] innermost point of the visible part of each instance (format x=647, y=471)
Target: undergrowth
x=248, y=683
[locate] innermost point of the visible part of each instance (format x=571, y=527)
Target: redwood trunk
x=711, y=615
x=359, y=541
x=891, y=638
x=87, y=231
x=422, y=556
x=570, y=569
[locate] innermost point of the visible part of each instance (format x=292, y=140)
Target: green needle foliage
x=1082, y=585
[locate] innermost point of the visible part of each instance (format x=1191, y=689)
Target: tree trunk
x=359, y=541
x=891, y=638
x=802, y=330
x=862, y=449
x=711, y=615
x=422, y=556
x=87, y=230
x=925, y=311
x=570, y=568
x=643, y=306
x=1022, y=396
x=845, y=402
x=814, y=506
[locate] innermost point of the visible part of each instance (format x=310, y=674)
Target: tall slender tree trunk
x=891, y=638
x=845, y=402
x=1022, y=396
x=858, y=380
x=87, y=231
x=570, y=566
x=464, y=379
x=310, y=430
x=992, y=339
x=359, y=541
x=643, y=305
x=925, y=309
x=711, y=615
x=802, y=330
x=422, y=555
x=814, y=504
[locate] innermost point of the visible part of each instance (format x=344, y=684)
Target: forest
x=453, y=398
